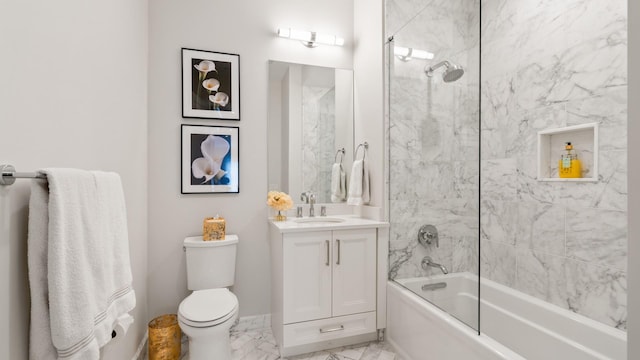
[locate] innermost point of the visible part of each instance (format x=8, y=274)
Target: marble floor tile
x=259, y=344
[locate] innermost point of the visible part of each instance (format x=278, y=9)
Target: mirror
x=310, y=119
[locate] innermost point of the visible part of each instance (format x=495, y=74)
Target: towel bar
x=9, y=175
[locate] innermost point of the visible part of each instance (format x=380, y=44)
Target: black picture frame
x=210, y=161
x=210, y=85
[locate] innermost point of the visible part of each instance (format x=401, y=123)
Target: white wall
x=73, y=94
x=344, y=118
x=368, y=67
x=294, y=131
x=242, y=27
x=283, y=148
x=274, y=131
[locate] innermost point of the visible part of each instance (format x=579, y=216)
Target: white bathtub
x=513, y=325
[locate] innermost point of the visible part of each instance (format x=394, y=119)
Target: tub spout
x=427, y=261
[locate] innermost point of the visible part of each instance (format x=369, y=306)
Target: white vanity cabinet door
x=354, y=271
x=306, y=269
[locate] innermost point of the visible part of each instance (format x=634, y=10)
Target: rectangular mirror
x=310, y=120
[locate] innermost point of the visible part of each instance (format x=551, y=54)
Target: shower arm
x=436, y=66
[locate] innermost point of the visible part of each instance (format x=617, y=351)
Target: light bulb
x=309, y=38
x=407, y=54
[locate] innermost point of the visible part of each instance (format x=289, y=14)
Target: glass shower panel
x=433, y=138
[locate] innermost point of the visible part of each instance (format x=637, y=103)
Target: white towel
x=338, y=183
x=122, y=324
x=40, y=346
x=87, y=272
x=359, y=184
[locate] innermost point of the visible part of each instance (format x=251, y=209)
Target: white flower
x=204, y=168
x=214, y=149
x=219, y=98
x=206, y=66
x=211, y=84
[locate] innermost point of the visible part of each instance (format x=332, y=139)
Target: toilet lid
x=208, y=305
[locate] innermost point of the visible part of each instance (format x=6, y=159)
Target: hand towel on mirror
x=338, y=183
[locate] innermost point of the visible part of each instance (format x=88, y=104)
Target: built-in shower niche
x=551, y=145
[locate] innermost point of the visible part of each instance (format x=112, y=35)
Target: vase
x=280, y=216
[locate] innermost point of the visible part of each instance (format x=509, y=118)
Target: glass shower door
x=434, y=145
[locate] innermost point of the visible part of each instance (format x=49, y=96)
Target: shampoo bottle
x=569, y=166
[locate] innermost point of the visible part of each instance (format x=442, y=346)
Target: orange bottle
x=569, y=166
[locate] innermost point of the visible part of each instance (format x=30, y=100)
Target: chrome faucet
x=427, y=261
x=310, y=198
x=312, y=201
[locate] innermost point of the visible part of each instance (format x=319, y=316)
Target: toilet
x=207, y=314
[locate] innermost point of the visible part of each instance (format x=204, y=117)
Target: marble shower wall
x=434, y=136
x=545, y=64
x=549, y=64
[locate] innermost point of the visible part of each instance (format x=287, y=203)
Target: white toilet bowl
x=206, y=316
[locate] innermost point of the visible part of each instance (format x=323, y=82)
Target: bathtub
x=513, y=325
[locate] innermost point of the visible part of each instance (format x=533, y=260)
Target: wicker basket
x=164, y=338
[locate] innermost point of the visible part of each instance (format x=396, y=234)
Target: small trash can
x=164, y=338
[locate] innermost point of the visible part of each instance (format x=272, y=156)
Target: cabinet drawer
x=329, y=329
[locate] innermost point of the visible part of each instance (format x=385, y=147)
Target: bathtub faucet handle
x=427, y=235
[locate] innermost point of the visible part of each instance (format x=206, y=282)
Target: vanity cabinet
x=325, y=287
x=328, y=274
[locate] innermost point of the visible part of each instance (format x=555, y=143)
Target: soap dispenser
x=569, y=166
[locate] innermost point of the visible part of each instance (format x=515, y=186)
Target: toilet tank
x=210, y=264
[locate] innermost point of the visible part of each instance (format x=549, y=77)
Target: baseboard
x=141, y=353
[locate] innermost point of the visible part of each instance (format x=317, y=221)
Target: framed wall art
x=210, y=159
x=210, y=85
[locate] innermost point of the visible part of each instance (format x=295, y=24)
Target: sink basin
x=318, y=220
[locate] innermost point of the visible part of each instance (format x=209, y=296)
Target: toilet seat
x=207, y=308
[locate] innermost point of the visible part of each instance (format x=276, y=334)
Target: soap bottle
x=569, y=166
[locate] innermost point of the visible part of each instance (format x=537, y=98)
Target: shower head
x=451, y=73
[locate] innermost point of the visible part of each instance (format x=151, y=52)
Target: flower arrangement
x=279, y=201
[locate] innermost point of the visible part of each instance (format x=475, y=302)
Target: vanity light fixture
x=406, y=54
x=310, y=38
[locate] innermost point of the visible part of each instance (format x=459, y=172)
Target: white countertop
x=350, y=222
